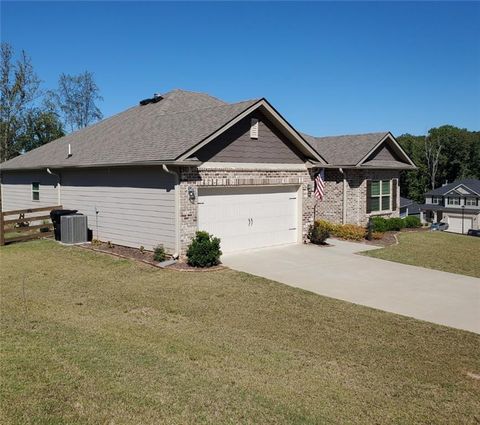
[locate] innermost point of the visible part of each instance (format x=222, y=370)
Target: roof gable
x=387, y=153
x=276, y=119
x=235, y=145
x=470, y=185
x=379, y=150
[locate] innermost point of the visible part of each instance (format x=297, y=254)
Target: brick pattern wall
x=331, y=207
x=192, y=177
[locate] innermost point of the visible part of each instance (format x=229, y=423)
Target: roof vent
x=157, y=97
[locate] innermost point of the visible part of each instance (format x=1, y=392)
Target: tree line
x=443, y=155
x=31, y=116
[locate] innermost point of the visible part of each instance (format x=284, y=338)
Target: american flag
x=320, y=184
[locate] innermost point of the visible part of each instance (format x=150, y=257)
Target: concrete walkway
x=444, y=298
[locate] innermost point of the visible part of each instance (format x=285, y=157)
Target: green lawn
x=93, y=339
x=435, y=250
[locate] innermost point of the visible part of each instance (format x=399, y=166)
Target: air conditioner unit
x=73, y=228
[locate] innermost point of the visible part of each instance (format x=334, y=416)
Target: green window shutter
x=369, y=196
x=394, y=194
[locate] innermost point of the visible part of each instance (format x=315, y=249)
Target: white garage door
x=455, y=224
x=245, y=218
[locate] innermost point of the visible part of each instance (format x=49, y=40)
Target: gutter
x=59, y=185
x=107, y=165
x=176, y=176
x=360, y=167
x=344, y=197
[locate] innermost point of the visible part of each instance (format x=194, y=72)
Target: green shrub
x=395, y=223
x=318, y=233
x=204, y=251
x=412, y=222
x=379, y=224
x=159, y=253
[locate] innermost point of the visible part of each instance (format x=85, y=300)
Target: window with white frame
x=379, y=195
x=436, y=200
x=471, y=202
x=454, y=201
x=35, y=191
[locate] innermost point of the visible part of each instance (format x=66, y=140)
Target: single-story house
x=183, y=161
x=457, y=204
x=409, y=208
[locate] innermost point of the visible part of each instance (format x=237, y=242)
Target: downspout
x=59, y=185
x=344, y=200
x=176, y=254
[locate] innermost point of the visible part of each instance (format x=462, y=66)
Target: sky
x=328, y=67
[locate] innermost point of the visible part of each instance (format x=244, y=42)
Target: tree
x=433, y=147
x=76, y=98
x=413, y=184
x=446, y=154
x=19, y=87
x=40, y=127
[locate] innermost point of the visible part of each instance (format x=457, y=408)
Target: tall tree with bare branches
x=433, y=149
x=76, y=99
x=19, y=88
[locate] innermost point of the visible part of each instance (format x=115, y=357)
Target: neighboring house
x=457, y=204
x=183, y=161
x=408, y=208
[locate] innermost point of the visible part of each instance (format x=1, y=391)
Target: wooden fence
x=21, y=228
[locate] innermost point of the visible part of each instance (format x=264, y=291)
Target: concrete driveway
x=444, y=298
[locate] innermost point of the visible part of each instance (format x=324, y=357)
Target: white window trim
x=474, y=200
x=451, y=198
x=35, y=191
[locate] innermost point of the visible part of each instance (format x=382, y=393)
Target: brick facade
x=329, y=209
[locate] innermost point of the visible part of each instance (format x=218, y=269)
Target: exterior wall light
x=191, y=193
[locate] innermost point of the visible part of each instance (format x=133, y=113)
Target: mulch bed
x=181, y=266
x=144, y=257
x=389, y=238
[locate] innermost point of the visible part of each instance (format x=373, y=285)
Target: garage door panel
x=246, y=218
x=455, y=224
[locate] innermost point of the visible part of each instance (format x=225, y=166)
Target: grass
x=90, y=339
x=435, y=250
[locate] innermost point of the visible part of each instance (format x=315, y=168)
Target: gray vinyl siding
x=17, y=190
x=235, y=145
x=136, y=206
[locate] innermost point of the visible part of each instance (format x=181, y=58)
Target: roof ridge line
x=351, y=135
x=197, y=92
x=209, y=107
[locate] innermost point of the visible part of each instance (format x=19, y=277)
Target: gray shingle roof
x=405, y=201
x=165, y=130
x=345, y=150
x=159, y=131
x=472, y=184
